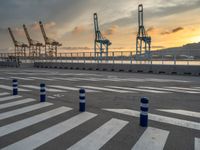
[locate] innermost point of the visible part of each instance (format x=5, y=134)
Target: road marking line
x=37, y=78
x=20, y=78
x=4, y=130
x=11, y=88
x=182, y=112
x=136, y=89
x=27, y=100
x=165, y=80
x=85, y=79
x=71, y=88
x=158, y=118
x=23, y=110
x=4, y=94
x=197, y=144
x=106, y=89
x=7, y=98
x=168, y=89
x=40, y=138
x=100, y=136
x=182, y=88
x=152, y=139
x=66, y=79
x=38, y=88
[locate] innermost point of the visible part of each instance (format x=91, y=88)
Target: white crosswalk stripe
x=4, y=94
x=137, y=89
x=71, y=88
x=38, y=88
x=50, y=133
x=152, y=139
x=100, y=136
x=159, y=118
x=15, y=103
x=23, y=110
x=6, y=87
x=32, y=120
x=168, y=89
x=38, y=78
x=182, y=112
x=197, y=144
x=106, y=89
x=7, y=98
x=187, y=89
x=20, y=78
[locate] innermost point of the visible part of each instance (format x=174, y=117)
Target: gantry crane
x=50, y=44
x=100, y=42
x=142, y=37
x=34, y=46
x=20, y=47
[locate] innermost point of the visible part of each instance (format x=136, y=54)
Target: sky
x=170, y=23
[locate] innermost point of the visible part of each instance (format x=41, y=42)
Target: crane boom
x=12, y=36
x=43, y=32
x=27, y=35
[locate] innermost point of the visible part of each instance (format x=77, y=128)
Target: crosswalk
x=152, y=137
x=82, y=77
x=106, y=88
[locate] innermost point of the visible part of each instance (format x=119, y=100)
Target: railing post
x=131, y=56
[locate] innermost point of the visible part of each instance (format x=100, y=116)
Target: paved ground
x=112, y=117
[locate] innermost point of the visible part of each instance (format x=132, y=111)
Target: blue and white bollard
x=82, y=100
x=42, y=92
x=144, y=112
x=15, y=87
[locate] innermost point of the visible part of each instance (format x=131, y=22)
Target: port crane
x=51, y=45
x=20, y=47
x=34, y=46
x=100, y=42
x=142, y=37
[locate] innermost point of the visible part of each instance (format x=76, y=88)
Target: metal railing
x=117, y=57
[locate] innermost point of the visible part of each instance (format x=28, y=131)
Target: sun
x=195, y=39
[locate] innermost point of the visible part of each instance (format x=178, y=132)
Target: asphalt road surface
x=111, y=120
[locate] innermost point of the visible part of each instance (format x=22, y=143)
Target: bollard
x=15, y=87
x=42, y=92
x=82, y=100
x=144, y=112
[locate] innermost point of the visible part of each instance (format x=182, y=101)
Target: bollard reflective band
x=146, y=105
x=82, y=94
x=15, y=88
x=42, y=87
x=144, y=113
x=42, y=93
x=82, y=101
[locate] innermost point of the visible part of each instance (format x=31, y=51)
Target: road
x=111, y=120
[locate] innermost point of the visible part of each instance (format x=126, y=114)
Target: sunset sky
x=169, y=22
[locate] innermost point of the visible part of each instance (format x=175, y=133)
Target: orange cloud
x=78, y=29
x=113, y=29
x=172, y=31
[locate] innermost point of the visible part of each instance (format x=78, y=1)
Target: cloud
x=177, y=29
x=78, y=30
x=113, y=29
x=172, y=31
x=150, y=29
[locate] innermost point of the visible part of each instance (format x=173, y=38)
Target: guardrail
x=117, y=57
